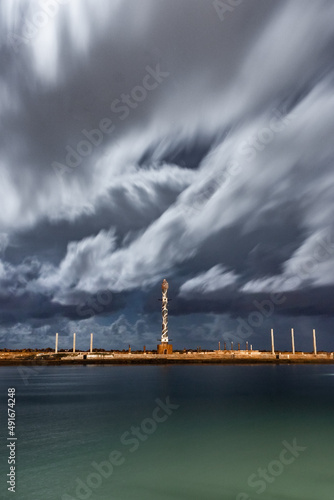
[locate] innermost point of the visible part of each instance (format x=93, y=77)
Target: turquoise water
x=226, y=425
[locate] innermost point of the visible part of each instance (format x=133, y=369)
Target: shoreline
x=116, y=358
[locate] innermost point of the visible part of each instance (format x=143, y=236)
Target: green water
x=226, y=423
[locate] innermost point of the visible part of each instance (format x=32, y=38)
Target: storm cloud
x=185, y=140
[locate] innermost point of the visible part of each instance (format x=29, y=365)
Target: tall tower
x=164, y=347
x=164, y=311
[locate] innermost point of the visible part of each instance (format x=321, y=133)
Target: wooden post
x=91, y=342
x=73, y=342
x=293, y=341
x=56, y=347
x=272, y=342
x=314, y=343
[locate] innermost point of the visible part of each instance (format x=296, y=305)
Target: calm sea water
x=225, y=440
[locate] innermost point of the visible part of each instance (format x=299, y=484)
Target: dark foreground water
x=228, y=432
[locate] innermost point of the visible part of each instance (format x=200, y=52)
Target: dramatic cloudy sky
x=183, y=139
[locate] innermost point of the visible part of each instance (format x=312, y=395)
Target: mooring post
x=293, y=341
x=91, y=342
x=272, y=342
x=73, y=342
x=56, y=347
x=314, y=343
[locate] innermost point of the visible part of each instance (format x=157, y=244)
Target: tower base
x=165, y=348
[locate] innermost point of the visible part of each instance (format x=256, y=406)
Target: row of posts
x=74, y=339
x=293, y=342
x=251, y=347
x=247, y=348
x=273, y=345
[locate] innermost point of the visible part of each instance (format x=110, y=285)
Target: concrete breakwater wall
x=240, y=356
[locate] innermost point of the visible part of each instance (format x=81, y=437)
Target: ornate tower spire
x=164, y=311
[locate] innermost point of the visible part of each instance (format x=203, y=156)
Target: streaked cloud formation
x=165, y=140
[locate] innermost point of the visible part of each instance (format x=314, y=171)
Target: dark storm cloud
x=169, y=138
